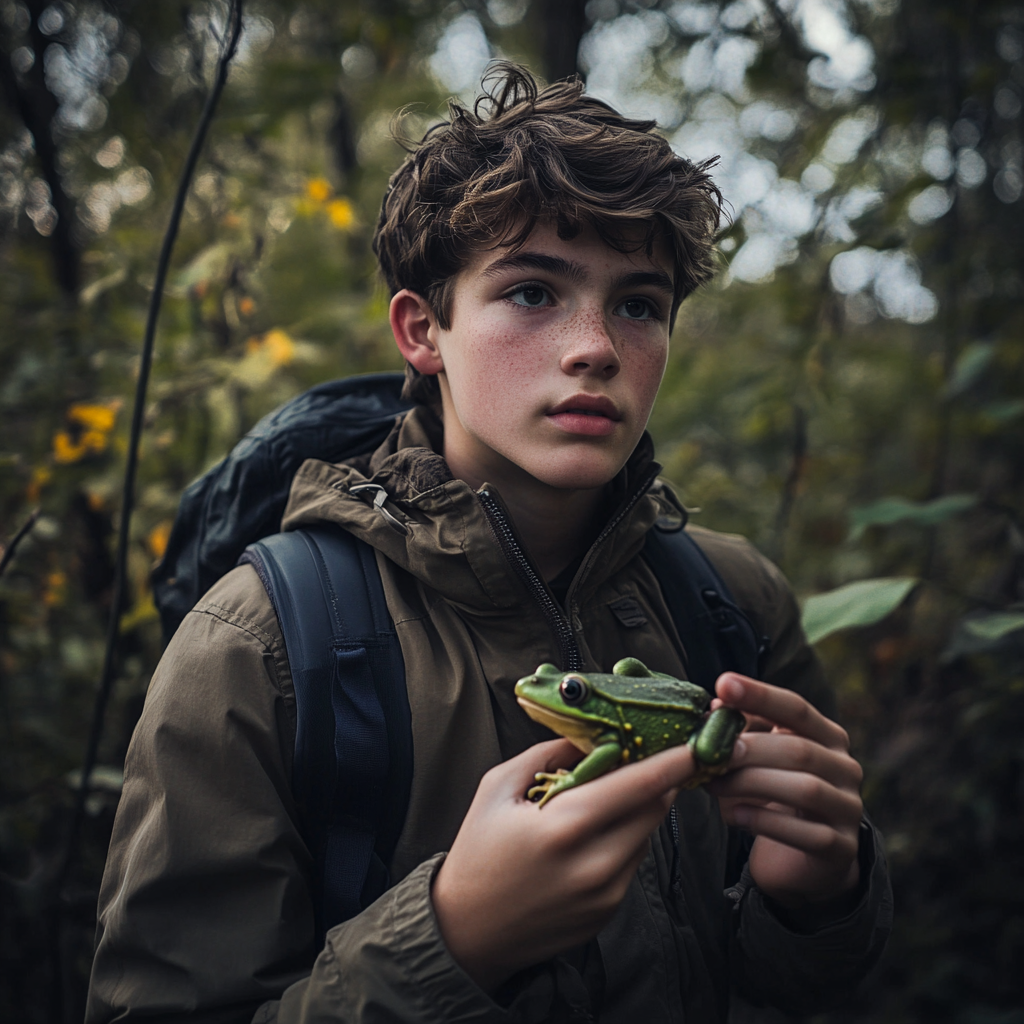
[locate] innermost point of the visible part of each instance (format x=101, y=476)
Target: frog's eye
x=574, y=689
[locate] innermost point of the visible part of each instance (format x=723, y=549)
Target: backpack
x=352, y=770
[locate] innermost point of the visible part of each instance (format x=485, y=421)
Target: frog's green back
x=650, y=692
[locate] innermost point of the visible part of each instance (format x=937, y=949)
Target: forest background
x=847, y=393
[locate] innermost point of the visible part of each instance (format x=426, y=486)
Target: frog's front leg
x=603, y=758
x=712, y=745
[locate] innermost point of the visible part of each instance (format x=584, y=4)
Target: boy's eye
x=636, y=309
x=530, y=295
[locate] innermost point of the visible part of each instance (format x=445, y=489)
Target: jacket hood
x=403, y=501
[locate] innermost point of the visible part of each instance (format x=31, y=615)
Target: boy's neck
x=556, y=525
x=555, y=528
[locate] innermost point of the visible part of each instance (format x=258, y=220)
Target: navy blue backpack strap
x=353, y=744
x=717, y=636
x=715, y=633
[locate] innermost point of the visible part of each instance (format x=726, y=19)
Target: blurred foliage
x=848, y=393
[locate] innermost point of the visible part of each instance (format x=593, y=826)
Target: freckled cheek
x=646, y=366
x=491, y=376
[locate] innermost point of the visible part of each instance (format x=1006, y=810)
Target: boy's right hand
x=522, y=884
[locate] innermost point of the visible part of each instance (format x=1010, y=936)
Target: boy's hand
x=522, y=884
x=796, y=787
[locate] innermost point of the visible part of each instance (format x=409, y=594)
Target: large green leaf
x=995, y=626
x=887, y=511
x=857, y=604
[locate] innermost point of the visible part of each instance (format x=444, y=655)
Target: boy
x=537, y=258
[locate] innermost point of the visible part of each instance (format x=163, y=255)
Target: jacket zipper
x=563, y=629
x=609, y=528
x=557, y=622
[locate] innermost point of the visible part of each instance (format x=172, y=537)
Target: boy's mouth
x=591, y=415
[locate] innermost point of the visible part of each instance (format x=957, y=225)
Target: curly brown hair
x=484, y=178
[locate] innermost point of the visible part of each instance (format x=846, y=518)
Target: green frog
x=625, y=716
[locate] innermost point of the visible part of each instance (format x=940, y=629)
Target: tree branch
x=37, y=107
x=233, y=32
x=26, y=529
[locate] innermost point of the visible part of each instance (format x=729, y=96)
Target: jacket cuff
x=390, y=964
x=824, y=956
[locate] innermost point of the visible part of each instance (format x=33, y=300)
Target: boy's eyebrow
x=562, y=267
x=537, y=261
x=638, y=278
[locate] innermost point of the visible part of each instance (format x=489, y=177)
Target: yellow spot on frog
x=665, y=736
x=639, y=741
x=628, y=727
x=677, y=725
x=625, y=754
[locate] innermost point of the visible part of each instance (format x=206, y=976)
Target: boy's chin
x=577, y=474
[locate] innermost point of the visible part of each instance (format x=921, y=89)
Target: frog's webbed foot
x=545, y=788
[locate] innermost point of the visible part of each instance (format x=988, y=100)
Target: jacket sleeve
x=808, y=966
x=205, y=908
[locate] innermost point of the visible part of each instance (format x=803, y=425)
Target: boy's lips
x=590, y=415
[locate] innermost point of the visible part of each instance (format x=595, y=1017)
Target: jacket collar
x=436, y=527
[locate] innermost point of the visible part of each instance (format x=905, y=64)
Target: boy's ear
x=415, y=329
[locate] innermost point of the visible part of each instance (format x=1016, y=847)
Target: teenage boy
x=537, y=251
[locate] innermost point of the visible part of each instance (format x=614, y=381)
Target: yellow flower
x=158, y=537
x=279, y=346
x=276, y=346
x=94, y=440
x=94, y=417
x=65, y=450
x=341, y=213
x=318, y=189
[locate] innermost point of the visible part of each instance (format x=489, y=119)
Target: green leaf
x=887, y=511
x=1004, y=410
x=995, y=626
x=857, y=604
x=970, y=365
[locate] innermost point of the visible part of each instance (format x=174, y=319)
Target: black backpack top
x=243, y=497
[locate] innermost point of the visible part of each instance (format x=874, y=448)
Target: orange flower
x=41, y=476
x=246, y=306
x=56, y=591
x=158, y=537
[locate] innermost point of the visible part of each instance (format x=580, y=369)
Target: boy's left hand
x=797, y=788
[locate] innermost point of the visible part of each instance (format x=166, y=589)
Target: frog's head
x=555, y=698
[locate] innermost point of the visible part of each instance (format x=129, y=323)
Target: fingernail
x=730, y=688
x=739, y=750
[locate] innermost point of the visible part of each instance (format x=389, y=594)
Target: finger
x=652, y=782
x=808, y=794
x=813, y=837
x=796, y=753
x=782, y=707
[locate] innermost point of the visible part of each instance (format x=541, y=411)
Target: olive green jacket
x=205, y=909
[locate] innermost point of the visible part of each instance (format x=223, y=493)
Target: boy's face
x=553, y=360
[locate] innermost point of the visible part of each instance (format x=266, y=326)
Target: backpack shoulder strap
x=715, y=633
x=353, y=743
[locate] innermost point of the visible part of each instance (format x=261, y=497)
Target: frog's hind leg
x=601, y=759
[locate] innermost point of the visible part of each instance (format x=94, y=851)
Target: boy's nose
x=591, y=351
